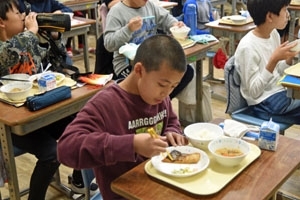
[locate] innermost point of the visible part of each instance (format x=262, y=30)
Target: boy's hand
x=147, y=146
x=31, y=22
x=283, y=52
x=176, y=139
x=135, y=23
x=179, y=24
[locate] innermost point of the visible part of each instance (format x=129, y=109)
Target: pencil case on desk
x=48, y=98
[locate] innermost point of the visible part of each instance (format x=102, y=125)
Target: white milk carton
x=269, y=135
x=47, y=82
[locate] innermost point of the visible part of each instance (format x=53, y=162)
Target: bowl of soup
x=229, y=151
x=17, y=91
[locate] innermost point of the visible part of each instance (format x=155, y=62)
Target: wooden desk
x=260, y=180
x=233, y=32
x=81, y=26
x=21, y=121
x=196, y=54
x=292, y=91
x=91, y=6
x=167, y=4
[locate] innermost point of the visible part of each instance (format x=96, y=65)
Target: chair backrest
x=235, y=100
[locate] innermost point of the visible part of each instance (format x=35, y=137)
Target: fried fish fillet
x=184, y=159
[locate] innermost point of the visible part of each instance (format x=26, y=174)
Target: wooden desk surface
x=13, y=116
x=76, y=2
x=194, y=50
x=81, y=21
x=294, y=7
x=260, y=180
x=231, y=28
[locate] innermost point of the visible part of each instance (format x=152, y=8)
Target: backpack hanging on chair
x=57, y=58
x=24, y=66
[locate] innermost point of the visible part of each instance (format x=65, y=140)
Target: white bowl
x=297, y=47
x=200, y=134
x=180, y=33
x=14, y=76
x=228, y=143
x=17, y=91
x=238, y=18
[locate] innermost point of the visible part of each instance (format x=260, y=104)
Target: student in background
x=132, y=21
x=42, y=142
x=53, y=6
x=261, y=59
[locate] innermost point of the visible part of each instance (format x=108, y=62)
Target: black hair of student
x=6, y=5
x=258, y=9
x=159, y=49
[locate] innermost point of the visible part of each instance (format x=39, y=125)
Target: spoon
x=13, y=79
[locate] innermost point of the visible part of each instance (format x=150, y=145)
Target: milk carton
x=47, y=82
x=269, y=135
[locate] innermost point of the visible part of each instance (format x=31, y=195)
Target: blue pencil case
x=48, y=98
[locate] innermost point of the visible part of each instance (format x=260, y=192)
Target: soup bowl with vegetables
x=229, y=151
x=200, y=134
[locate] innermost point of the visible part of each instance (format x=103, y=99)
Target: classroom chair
x=237, y=106
x=88, y=176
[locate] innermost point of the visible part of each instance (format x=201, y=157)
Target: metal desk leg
x=199, y=74
x=233, y=4
x=86, y=53
x=97, y=22
x=292, y=35
x=231, y=44
x=9, y=160
x=292, y=26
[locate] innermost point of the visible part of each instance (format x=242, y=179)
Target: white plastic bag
x=187, y=102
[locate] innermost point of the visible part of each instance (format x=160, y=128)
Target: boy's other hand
x=147, y=146
x=31, y=22
x=176, y=139
x=283, y=52
x=179, y=24
x=135, y=23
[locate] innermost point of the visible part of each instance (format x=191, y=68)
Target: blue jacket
x=201, y=18
x=44, y=6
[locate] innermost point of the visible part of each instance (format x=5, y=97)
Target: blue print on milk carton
x=269, y=134
x=47, y=82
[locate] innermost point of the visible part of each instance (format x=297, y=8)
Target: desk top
x=197, y=48
x=13, y=116
x=258, y=181
x=78, y=2
x=231, y=28
x=167, y=4
x=81, y=21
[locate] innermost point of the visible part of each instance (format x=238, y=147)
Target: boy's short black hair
x=6, y=5
x=258, y=9
x=159, y=49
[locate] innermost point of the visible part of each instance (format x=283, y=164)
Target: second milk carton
x=269, y=135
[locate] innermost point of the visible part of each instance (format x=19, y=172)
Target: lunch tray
x=209, y=181
x=294, y=3
x=293, y=70
x=67, y=82
x=230, y=22
x=187, y=43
